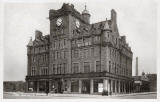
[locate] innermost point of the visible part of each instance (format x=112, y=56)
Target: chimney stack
x=136, y=66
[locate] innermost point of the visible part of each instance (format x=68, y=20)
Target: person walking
x=47, y=91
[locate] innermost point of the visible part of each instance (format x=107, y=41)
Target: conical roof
x=30, y=42
x=106, y=25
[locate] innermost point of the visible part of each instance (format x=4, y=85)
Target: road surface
x=78, y=96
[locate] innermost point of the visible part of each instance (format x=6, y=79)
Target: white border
x=71, y=100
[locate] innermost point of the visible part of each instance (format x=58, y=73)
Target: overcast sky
x=135, y=18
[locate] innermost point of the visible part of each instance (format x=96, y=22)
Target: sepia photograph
x=80, y=49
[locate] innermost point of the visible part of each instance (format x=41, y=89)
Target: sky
x=136, y=20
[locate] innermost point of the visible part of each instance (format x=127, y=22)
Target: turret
x=29, y=45
x=86, y=15
x=106, y=31
x=106, y=26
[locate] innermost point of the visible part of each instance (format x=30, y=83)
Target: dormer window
x=77, y=23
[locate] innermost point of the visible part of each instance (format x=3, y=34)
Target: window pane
x=86, y=67
x=98, y=67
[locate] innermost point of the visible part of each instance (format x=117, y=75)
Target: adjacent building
x=141, y=83
x=14, y=86
x=79, y=57
x=145, y=83
x=153, y=82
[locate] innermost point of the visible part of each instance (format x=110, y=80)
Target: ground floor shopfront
x=86, y=85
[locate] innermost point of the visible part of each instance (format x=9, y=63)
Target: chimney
x=136, y=66
x=38, y=34
x=114, y=21
x=113, y=16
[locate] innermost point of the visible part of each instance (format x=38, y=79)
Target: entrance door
x=59, y=89
x=86, y=86
x=47, y=86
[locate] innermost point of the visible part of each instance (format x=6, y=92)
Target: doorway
x=86, y=86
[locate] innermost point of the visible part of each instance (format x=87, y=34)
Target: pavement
x=21, y=95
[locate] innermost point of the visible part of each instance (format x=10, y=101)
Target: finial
x=85, y=6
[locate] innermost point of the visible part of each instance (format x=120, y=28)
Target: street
x=77, y=96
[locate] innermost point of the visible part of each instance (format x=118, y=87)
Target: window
x=54, y=44
x=86, y=43
x=118, y=68
x=64, y=42
x=60, y=55
x=39, y=49
x=109, y=66
x=33, y=71
x=59, y=44
x=58, y=69
x=61, y=69
x=98, y=66
x=65, y=54
x=65, y=67
x=44, y=71
x=80, y=53
x=54, y=69
x=75, y=68
x=92, y=51
x=116, y=41
x=86, y=67
x=46, y=58
x=74, y=85
x=108, y=34
x=96, y=39
x=97, y=52
x=86, y=53
x=43, y=58
x=34, y=59
x=76, y=53
x=53, y=55
x=112, y=68
x=57, y=54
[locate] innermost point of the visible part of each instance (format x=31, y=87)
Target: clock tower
x=64, y=23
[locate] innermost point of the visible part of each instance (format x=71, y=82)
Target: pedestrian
x=47, y=91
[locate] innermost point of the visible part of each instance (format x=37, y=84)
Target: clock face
x=59, y=21
x=77, y=24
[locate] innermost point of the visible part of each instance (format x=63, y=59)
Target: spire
x=86, y=15
x=106, y=25
x=85, y=11
x=85, y=6
x=30, y=42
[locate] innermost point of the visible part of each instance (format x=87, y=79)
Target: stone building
x=79, y=57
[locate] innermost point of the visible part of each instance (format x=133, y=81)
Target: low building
x=153, y=82
x=145, y=83
x=14, y=86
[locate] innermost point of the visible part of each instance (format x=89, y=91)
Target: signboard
x=137, y=81
x=100, y=87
